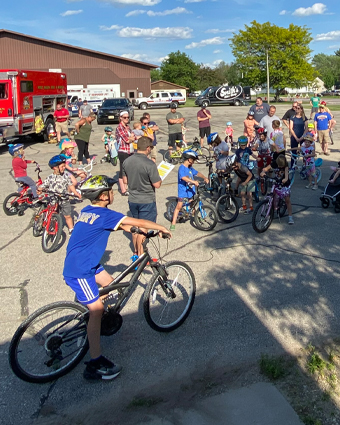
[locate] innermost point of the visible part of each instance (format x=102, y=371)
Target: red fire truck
x=24, y=94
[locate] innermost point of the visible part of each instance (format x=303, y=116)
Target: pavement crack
x=43, y=399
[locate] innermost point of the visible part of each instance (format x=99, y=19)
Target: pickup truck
x=159, y=100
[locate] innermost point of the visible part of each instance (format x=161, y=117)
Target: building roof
x=55, y=43
x=168, y=83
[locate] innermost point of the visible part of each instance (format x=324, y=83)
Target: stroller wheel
x=337, y=207
x=324, y=202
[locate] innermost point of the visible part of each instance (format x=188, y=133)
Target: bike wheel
x=50, y=342
x=262, y=218
x=203, y=154
x=264, y=186
x=170, y=211
x=227, y=208
x=282, y=208
x=10, y=204
x=38, y=222
x=318, y=174
x=168, y=158
x=205, y=218
x=52, y=233
x=166, y=309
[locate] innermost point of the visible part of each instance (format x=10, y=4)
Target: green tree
x=180, y=69
x=155, y=75
x=337, y=52
x=206, y=77
x=288, y=52
x=328, y=68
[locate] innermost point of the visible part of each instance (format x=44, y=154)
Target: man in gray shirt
x=266, y=121
x=85, y=109
x=142, y=176
x=175, y=120
x=260, y=109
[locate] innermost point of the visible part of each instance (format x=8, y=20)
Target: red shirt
x=20, y=167
x=122, y=136
x=62, y=112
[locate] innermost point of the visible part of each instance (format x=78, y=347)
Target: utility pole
x=267, y=77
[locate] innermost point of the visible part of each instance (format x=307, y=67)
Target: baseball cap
x=143, y=143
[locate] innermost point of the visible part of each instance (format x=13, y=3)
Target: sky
x=148, y=30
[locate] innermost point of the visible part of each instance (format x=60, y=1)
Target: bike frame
x=25, y=197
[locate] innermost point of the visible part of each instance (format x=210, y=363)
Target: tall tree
x=288, y=53
x=155, y=75
x=328, y=67
x=206, y=77
x=179, y=68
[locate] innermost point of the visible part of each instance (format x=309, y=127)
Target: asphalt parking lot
x=271, y=293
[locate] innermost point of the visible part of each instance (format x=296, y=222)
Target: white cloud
x=316, y=9
x=216, y=31
x=176, y=11
x=71, y=12
x=157, y=32
x=132, y=2
x=207, y=42
x=144, y=57
x=284, y=12
x=213, y=64
x=217, y=51
x=112, y=27
x=332, y=35
x=135, y=13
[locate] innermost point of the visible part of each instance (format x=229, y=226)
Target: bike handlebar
x=150, y=234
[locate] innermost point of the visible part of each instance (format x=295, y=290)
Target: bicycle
x=205, y=216
x=86, y=169
x=264, y=212
x=303, y=170
x=175, y=156
x=17, y=202
x=226, y=206
x=53, y=340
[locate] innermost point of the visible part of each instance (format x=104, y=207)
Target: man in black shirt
x=289, y=114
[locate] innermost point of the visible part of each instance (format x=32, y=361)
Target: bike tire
x=162, y=312
x=202, y=222
x=37, y=223
x=227, y=208
x=167, y=158
x=170, y=211
x=264, y=186
x=31, y=347
x=52, y=232
x=203, y=154
x=13, y=207
x=318, y=174
x=261, y=210
x=282, y=208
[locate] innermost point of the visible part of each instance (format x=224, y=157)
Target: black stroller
x=332, y=194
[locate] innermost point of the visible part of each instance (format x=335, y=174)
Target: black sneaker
x=101, y=369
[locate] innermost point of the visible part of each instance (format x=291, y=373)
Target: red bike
x=17, y=202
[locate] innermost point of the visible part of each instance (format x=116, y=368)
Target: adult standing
x=175, y=120
x=322, y=119
x=154, y=127
x=124, y=138
x=61, y=116
x=83, y=129
x=203, y=117
x=289, y=114
x=297, y=127
x=85, y=110
x=142, y=176
x=266, y=121
x=260, y=109
x=314, y=102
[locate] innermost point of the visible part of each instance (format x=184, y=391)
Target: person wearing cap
x=332, y=123
x=141, y=174
x=175, y=120
x=322, y=120
x=85, y=110
x=203, y=117
x=125, y=139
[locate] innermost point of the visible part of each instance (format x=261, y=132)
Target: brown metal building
x=82, y=66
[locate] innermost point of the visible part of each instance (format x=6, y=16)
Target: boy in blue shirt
x=186, y=176
x=82, y=268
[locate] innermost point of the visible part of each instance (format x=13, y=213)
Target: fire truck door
x=6, y=103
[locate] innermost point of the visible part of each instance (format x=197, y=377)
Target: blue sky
x=147, y=30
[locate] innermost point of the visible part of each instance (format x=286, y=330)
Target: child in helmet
x=67, y=149
x=186, y=174
x=61, y=183
x=229, y=133
x=19, y=165
x=264, y=148
x=221, y=151
x=247, y=183
x=308, y=151
x=249, y=124
x=243, y=154
x=110, y=146
x=311, y=129
x=82, y=268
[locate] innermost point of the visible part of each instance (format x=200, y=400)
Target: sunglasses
x=125, y=118
x=145, y=123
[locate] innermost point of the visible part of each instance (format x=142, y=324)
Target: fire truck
x=23, y=95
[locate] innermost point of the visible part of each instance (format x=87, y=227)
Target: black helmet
x=173, y=105
x=190, y=154
x=57, y=160
x=95, y=185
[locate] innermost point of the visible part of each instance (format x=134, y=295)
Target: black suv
x=111, y=108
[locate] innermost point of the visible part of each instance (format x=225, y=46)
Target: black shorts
x=173, y=138
x=204, y=131
x=122, y=157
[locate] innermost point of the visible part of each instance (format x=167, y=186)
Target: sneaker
x=327, y=153
x=249, y=211
x=315, y=187
x=243, y=209
x=101, y=368
x=70, y=231
x=290, y=220
x=172, y=228
x=309, y=186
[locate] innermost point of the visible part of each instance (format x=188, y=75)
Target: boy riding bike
x=82, y=268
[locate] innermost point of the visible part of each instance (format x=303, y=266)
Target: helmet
x=309, y=136
x=67, y=144
x=190, y=154
x=229, y=123
x=173, y=105
x=323, y=103
x=230, y=161
x=310, y=125
x=15, y=148
x=56, y=160
x=261, y=130
x=108, y=129
x=211, y=138
x=95, y=185
x=251, y=113
x=242, y=140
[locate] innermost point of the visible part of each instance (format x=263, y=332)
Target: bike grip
x=166, y=236
x=134, y=229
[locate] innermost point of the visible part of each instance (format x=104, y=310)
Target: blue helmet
x=211, y=138
x=15, y=148
x=108, y=129
x=190, y=154
x=229, y=123
x=56, y=160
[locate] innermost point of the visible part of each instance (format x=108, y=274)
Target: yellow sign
x=164, y=169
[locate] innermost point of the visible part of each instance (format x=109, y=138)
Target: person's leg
x=243, y=198
x=58, y=131
x=30, y=182
x=123, y=187
x=93, y=327
x=145, y=212
x=293, y=144
x=66, y=210
x=176, y=212
x=289, y=205
x=201, y=135
x=326, y=141
x=171, y=142
x=86, y=152
x=81, y=147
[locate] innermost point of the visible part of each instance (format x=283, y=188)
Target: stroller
x=112, y=155
x=332, y=194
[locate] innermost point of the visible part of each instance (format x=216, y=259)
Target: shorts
x=86, y=290
x=323, y=136
x=61, y=127
x=204, y=131
x=144, y=211
x=249, y=188
x=311, y=170
x=65, y=207
x=314, y=110
x=153, y=153
x=260, y=163
x=173, y=138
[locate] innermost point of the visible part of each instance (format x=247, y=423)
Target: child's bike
x=205, y=216
x=175, y=156
x=53, y=340
x=17, y=202
x=264, y=212
x=302, y=169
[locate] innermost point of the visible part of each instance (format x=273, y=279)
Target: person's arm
x=103, y=138
x=78, y=124
x=157, y=185
x=249, y=174
x=129, y=222
x=72, y=189
x=292, y=131
x=284, y=140
x=202, y=176
x=286, y=176
x=188, y=180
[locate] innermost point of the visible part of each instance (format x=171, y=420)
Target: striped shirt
x=122, y=136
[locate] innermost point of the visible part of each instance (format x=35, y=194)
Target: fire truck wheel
x=49, y=122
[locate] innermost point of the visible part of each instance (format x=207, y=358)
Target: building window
x=26, y=86
x=3, y=91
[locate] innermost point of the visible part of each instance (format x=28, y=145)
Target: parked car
x=224, y=95
x=109, y=111
x=159, y=100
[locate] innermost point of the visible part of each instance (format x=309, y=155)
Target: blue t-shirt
x=298, y=125
x=243, y=155
x=89, y=239
x=322, y=119
x=184, y=191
